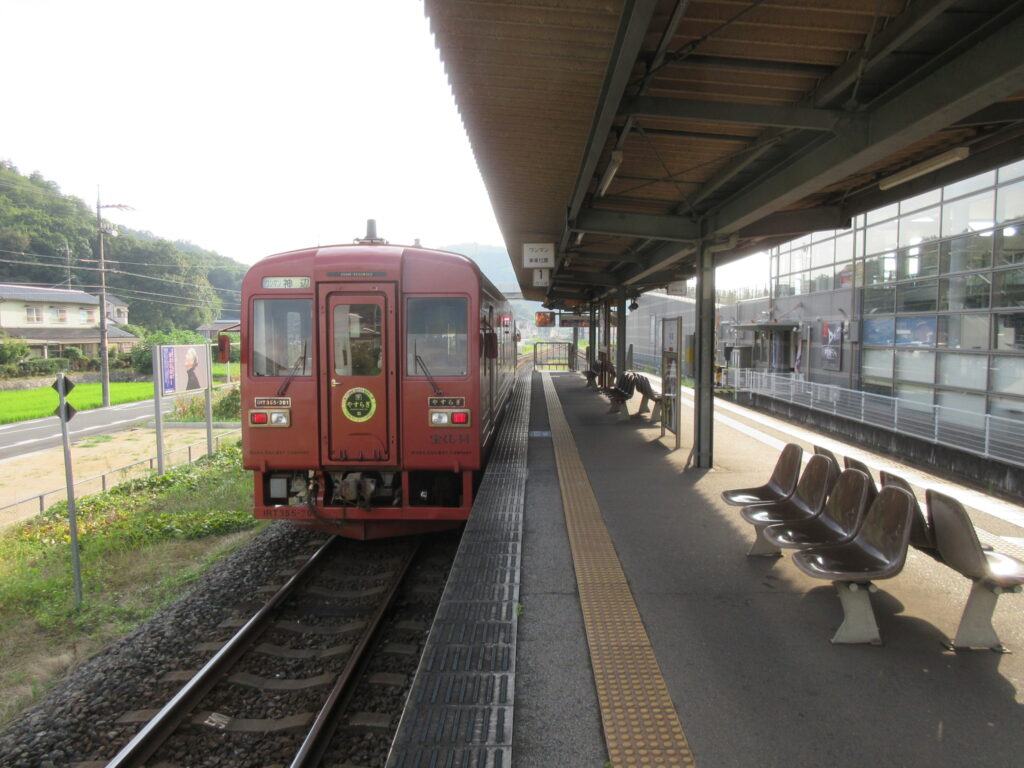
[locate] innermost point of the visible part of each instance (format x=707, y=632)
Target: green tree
x=12, y=350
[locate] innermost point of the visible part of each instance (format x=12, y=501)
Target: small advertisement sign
x=832, y=346
x=538, y=255
x=544, y=319
x=671, y=365
x=184, y=367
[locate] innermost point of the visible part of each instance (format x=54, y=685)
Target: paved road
x=29, y=436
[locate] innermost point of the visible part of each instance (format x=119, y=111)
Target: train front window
x=282, y=337
x=357, y=348
x=437, y=337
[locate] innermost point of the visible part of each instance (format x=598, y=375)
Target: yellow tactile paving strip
x=641, y=728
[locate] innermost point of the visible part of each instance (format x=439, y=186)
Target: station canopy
x=632, y=133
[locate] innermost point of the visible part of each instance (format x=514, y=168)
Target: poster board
x=671, y=365
x=184, y=368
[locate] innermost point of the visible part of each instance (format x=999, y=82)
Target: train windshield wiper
x=423, y=365
x=293, y=373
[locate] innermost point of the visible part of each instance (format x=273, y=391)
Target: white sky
x=247, y=128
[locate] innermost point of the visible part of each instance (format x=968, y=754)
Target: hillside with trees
x=48, y=238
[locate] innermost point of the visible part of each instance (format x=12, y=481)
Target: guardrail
x=993, y=437
x=38, y=503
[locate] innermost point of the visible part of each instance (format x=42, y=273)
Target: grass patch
x=142, y=544
x=25, y=404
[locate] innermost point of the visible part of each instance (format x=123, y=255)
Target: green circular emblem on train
x=358, y=404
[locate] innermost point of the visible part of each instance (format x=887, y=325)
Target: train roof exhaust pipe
x=371, y=233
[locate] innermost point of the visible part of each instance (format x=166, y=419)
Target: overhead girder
x=660, y=227
x=807, y=118
x=989, y=70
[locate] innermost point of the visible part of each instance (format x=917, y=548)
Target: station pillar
x=704, y=373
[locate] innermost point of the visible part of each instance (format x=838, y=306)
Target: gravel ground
x=77, y=721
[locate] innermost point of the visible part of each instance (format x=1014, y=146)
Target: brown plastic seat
x=921, y=535
x=807, y=502
x=837, y=524
x=648, y=395
x=781, y=485
x=992, y=573
x=836, y=464
x=852, y=463
x=877, y=551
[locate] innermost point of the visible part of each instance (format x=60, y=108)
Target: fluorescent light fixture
x=925, y=167
x=609, y=172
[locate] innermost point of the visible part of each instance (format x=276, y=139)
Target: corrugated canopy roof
x=627, y=133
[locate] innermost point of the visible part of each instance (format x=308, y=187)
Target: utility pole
x=112, y=231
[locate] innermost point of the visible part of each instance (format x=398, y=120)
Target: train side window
x=437, y=332
x=282, y=337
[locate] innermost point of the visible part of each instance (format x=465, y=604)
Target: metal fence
x=32, y=505
x=993, y=437
x=554, y=354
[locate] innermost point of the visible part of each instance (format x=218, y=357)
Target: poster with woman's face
x=184, y=368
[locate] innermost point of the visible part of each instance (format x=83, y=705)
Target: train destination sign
x=573, y=321
x=446, y=402
x=271, y=283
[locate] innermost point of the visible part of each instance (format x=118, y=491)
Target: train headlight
x=450, y=418
x=439, y=418
x=278, y=418
x=268, y=418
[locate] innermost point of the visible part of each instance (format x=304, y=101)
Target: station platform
x=738, y=646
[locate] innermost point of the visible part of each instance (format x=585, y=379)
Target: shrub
x=12, y=350
x=228, y=405
x=40, y=366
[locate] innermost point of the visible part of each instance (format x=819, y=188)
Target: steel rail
x=164, y=723
x=320, y=733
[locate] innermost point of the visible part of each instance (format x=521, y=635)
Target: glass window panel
x=1008, y=375
x=915, y=331
x=961, y=401
x=918, y=296
x=920, y=227
x=1008, y=288
x=880, y=269
x=879, y=299
x=1009, y=331
x=921, y=201
x=844, y=247
x=357, y=340
x=844, y=275
x=915, y=365
x=971, y=214
x=824, y=234
x=876, y=386
x=438, y=336
x=881, y=214
x=882, y=237
x=1009, y=243
x=919, y=261
x=282, y=337
x=781, y=261
x=801, y=242
x=973, y=184
x=968, y=371
x=879, y=331
x=964, y=292
x=783, y=286
x=877, y=363
x=915, y=396
x=800, y=283
x=1011, y=171
x=963, y=331
x=800, y=259
x=1010, y=202
x=821, y=280
x=964, y=253
x=1006, y=408
x=823, y=253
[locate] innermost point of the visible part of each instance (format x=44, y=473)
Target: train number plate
x=273, y=402
x=446, y=402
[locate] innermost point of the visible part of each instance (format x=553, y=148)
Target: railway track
x=316, y=676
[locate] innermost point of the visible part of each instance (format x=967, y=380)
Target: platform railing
x=186, y=454
x=553, y=354
x=990, y=436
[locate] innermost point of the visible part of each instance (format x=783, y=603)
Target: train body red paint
x=373, y=380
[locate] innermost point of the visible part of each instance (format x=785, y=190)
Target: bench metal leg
x=656, y=413
x=976, y=630
x=761, y=546
x=859, y=625
x=644, y=407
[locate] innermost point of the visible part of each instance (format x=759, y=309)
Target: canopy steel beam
x=989, y=70
x=646, y=225
x=796, y=223
x=809, y=118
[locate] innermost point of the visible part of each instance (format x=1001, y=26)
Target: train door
x=490, y=362
x=360, y=375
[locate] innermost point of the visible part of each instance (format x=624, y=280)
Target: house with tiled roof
x=50, y=319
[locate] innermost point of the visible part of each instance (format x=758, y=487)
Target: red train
x=373, y=380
